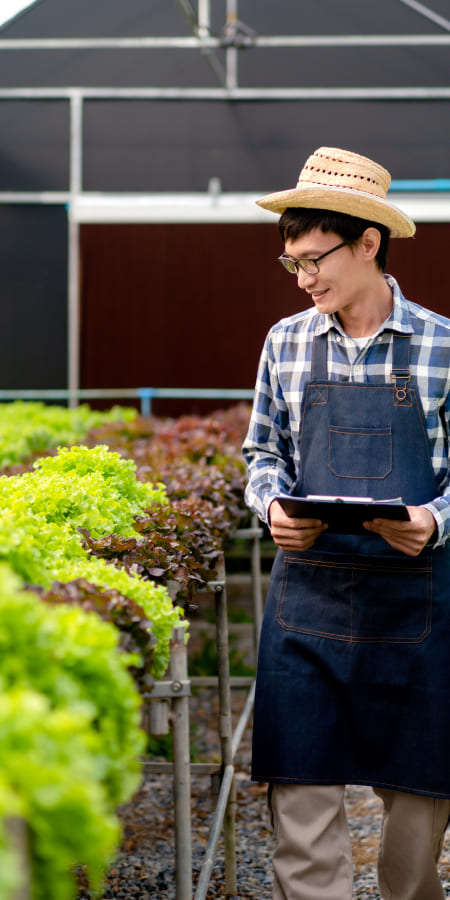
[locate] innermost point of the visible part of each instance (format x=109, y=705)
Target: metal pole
x=210, y=855
x=204, y=41
x=243, y=721
x=181, y=770
x=242, y=93
x=145, y=395
x=428, y=13
x=76, y=179
x=204, y=18
x=73, y=310
x=17, y=832
x=225, y=734
x=232, y=52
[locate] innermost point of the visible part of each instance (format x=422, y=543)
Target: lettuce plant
x=28, y=428
x=96, y=489
x=70, y=739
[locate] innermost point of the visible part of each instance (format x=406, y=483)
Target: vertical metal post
x=145, y=396
x=18, y=837
x=232, y=52
x=76, y=180
x=204, y=22
x=226, y=734
x=181, y=770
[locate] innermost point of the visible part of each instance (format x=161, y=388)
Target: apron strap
x=400, y=374
x=319, y=368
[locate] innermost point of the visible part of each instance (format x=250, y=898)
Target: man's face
x=341, y=280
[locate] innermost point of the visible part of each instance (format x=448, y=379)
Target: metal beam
x=352, y=40
x=287, y=93
x=428, y=13
x=45, y=197
x=205, y=41
x=430, y=205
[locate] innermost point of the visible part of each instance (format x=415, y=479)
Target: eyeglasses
x=308, y=265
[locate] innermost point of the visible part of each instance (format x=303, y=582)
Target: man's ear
x=370, y=242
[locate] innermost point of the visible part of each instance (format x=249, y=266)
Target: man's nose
x=306, y=279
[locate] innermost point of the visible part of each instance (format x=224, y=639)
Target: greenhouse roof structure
x=188, y=110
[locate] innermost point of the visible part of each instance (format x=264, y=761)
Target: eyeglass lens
x=292, y=266
x=310, y=266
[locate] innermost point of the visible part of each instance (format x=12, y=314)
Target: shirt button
x=358, y=370
x=338, y=338
x=379, y=338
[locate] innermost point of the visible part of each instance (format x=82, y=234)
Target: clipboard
x=343, y=515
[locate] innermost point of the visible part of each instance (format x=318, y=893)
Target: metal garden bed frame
x=170, y=702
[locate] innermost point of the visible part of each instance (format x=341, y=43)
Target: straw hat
x=342, y=181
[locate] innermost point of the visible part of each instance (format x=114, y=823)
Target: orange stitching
x=319, y=396
x=351, y=639
x=385, y=432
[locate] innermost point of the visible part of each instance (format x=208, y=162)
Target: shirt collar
x=399, y=319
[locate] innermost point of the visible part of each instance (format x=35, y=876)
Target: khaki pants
x=312, y=858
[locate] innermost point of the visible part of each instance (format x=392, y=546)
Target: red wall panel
x=189, y=305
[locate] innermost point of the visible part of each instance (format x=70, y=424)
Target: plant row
x=70, y=740
x=88, y=527
x=28, y=429
x=51, y=512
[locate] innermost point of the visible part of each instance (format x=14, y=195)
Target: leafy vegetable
x=96, y=489
x=28, y=428
x=70, y=738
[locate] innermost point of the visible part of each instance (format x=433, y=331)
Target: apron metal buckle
x=400, y=382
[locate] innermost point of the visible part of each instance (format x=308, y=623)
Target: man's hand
x=408, y=537
x=293, y=534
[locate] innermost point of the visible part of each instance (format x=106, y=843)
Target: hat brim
x=345, y=200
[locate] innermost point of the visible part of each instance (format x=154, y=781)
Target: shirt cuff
x=439, y=509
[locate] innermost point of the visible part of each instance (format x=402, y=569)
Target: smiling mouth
x=318, y=293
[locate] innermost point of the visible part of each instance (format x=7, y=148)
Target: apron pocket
x=356, y=598
x=359, y=452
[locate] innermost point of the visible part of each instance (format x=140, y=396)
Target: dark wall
x=421, y=265
x=256, y=146
x=189, y=306
x=34, y=145
x=178, y=306
x=33, y=336
x=178, y=145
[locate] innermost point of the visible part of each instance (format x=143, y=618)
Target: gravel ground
x=144, y=867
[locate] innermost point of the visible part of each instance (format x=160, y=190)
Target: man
x=353, y=400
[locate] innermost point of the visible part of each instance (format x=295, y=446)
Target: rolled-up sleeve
x=268, y=450
x=440, y=507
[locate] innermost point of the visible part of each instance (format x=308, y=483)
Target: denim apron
x=353, y=681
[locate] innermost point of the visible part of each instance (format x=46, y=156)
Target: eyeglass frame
x=284, y=259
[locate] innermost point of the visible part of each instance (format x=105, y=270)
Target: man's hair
x=296, y=221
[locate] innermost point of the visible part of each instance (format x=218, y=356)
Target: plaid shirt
x=271, y=448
